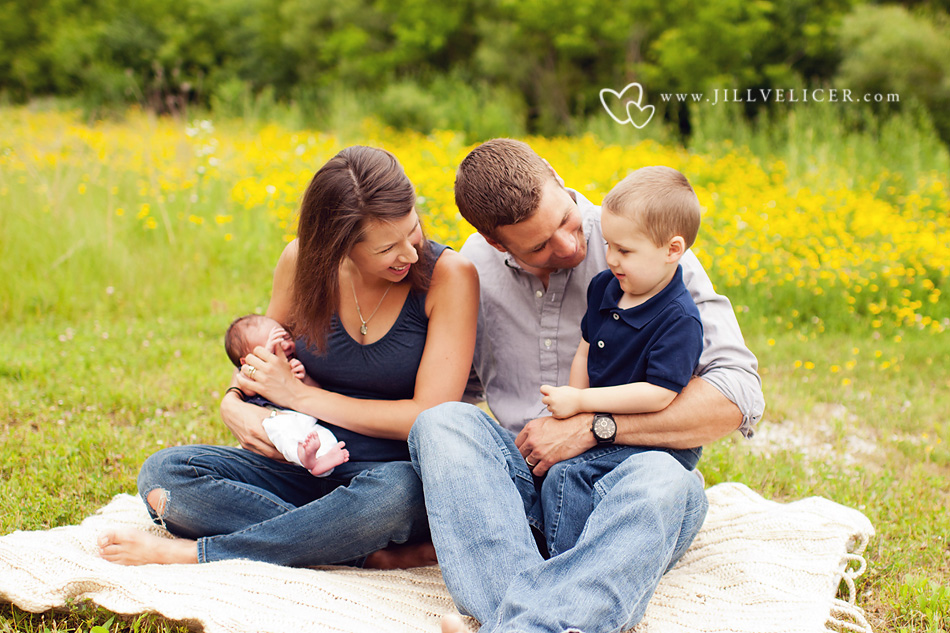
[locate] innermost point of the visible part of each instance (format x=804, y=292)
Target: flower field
x=804, y=256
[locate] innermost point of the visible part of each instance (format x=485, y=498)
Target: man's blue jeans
x=483, y=502
x=239, y=504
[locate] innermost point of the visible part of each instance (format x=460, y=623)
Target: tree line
x=537, y=63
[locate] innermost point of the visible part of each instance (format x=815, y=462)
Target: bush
x=450, y=103
x=886, y=49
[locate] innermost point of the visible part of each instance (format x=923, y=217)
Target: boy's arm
x=565, y=401
x=579, y=377
x=699, y=415
x=636, y=397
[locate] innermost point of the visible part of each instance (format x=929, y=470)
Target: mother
x=388, y=322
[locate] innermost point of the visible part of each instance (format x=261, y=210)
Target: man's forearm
x=699, y=415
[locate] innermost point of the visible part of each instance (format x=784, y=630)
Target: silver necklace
x=363, y=327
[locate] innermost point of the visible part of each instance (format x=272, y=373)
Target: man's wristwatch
x=604, y=428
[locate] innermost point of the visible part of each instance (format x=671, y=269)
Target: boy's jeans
x=571, y=489
x=239, y=504
x=483, y=502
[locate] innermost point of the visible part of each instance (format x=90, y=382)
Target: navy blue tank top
x=383, y=370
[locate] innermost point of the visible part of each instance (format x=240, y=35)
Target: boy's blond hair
x=660, y=200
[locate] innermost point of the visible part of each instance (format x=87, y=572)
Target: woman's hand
x=244, y=421
x=271, y=376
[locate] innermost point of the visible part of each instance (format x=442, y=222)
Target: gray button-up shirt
x=528, y=335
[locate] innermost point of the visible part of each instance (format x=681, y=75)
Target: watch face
x=603, y=427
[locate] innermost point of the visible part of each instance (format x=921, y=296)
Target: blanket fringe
x=845, y=614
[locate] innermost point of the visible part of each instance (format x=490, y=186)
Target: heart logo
x=640, y=112
x=630, y=118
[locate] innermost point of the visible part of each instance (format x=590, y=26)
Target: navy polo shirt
x=658, y=342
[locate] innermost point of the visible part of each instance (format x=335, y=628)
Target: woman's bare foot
x=451, y=623
x=307, y=452
x=133, y=547
x=403, y=557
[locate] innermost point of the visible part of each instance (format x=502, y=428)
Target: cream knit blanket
x=756, y=566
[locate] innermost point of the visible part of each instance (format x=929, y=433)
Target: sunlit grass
x=126, y=247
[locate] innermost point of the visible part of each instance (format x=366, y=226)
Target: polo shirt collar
x=639, y=316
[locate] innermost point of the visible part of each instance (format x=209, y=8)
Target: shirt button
x=616, y=316
x=539, y=294
x=600, y=344
x=547, y=342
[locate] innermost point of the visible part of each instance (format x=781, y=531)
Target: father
x=537, y=247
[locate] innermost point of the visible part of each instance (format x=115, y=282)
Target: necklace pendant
x=363, y=329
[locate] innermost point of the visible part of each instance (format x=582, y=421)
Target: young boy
x=642, y=335
x=296, y=435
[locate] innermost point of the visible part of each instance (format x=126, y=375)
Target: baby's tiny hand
x=298, y=369
x=562, y=402
x=279, y=337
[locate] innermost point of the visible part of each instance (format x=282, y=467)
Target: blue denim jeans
x=571, y=489
x=238, y=504
x=640, y=517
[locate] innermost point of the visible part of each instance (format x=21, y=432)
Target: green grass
x=81, y=413
x=110, y=348
x=827, y=142
x=879, y=444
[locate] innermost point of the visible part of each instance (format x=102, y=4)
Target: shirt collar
x=639, y=316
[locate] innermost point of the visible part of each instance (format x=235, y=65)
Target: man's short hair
x=499, y=183
x=661, y=200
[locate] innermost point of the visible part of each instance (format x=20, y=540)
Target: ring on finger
x=249, y=371
x=530, y=465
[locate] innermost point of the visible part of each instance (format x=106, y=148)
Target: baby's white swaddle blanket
x=287, y=429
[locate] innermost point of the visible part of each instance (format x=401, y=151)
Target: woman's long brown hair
x=357, y=186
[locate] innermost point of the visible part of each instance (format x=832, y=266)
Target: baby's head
x=659, y=202
x=255, y=330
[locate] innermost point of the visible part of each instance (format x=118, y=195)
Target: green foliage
x=889, y=50
x=842, y=136
x=363, y=42
x=82, y=617
x=925, y=603
x=542, y=61
x=721, y=44
x=104, y=627
x=480, y=110
x=155, y=52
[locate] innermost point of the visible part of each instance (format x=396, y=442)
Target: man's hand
x=563, y=402
x=544, y=442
